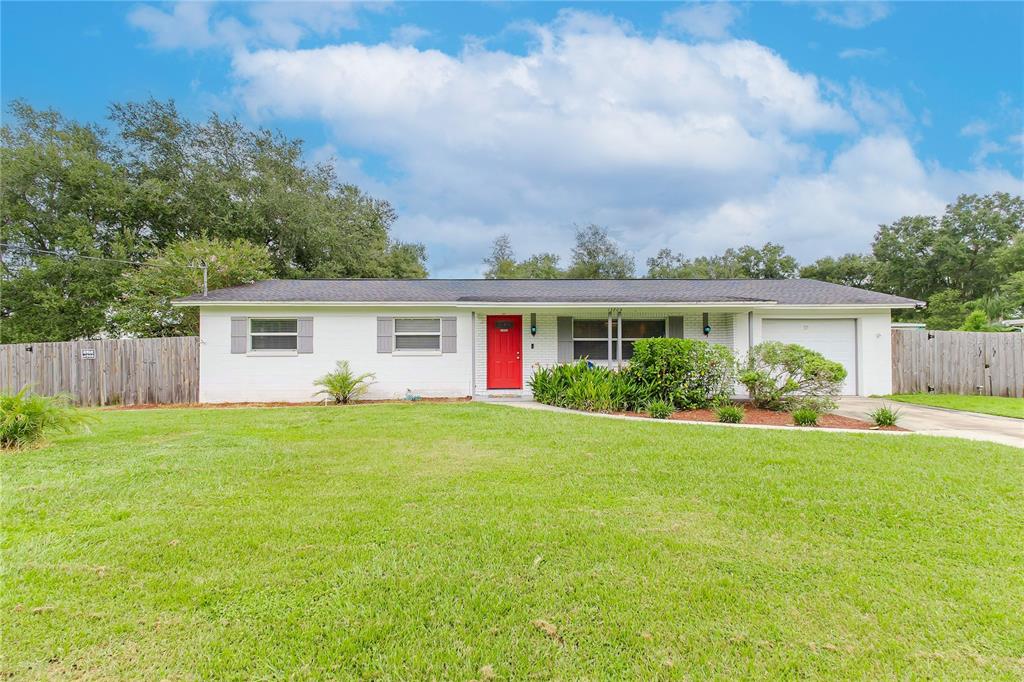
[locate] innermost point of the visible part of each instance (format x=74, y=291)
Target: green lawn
x=985, y=404
x=414, y=541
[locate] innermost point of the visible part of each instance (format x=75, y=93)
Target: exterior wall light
x=707, y=325
x=533, y=324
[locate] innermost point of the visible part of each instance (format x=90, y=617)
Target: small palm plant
x=343, y=384
x=25, y=418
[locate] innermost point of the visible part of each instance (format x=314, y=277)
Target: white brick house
x=268, y=341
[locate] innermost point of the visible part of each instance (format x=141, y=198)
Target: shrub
x=885, y=416
x=805, y=416
x=343, y=384
x=683, y=372
x=579, y=386
x=659, y=409
x=729, y=414
x=782, y=376
x=25, y=419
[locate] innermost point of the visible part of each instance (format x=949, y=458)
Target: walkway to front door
x=504, y=351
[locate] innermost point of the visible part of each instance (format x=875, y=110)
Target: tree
x=502, y=264
x=946, y=309
x=668, y=265
x=502, y=261
x=221, y=180
x=540, y=266
x=747, y=262
x=852, y=270
x=976, y=321
x=597, y=256
x=969, y=249
x=74, y=190
x=768, y=262
x=56, y=299
x=407, y=261
x=974, y=233
x=143, y=306
x=904, y=252
x=62, y=192
x=1013, y=291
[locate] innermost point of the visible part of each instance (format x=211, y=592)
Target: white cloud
x=976, y=128
x=186, y=25
x=878, y=108
x=852, y=14
x=710, y=20
x=198, y=25
x=694, y=147
x=560, y=134
x=985, y=149
x=408, y=34
x=862, y=53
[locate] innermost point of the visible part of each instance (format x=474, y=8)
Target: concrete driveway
x=936, y=421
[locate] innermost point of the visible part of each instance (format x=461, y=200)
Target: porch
x=542, y=337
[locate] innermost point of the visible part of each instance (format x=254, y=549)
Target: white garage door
x=835, y=339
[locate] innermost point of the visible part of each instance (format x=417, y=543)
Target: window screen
x=276, y=334
x=418, y=333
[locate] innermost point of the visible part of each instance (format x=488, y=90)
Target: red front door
x=504, y=351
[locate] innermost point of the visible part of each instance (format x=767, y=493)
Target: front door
x=504, y=351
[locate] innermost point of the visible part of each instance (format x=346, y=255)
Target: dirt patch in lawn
x=224, y=406
x=755, y=415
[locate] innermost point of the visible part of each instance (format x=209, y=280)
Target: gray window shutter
x=385, y=334
x=675, y=327
x=239, y=334
x=448, y=334
x=305, y=341
x=565, y=339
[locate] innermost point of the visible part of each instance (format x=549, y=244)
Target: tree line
x=79, y=204
x=967, y=264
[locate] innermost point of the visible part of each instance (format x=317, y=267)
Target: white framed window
x=417, y=334
x=273, y=334
x=590, y=337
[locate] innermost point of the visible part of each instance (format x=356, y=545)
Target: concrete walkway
x=935, y=421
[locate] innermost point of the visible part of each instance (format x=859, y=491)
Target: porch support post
x=618, y=327
x=609, y=338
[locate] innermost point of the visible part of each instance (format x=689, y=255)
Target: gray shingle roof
x=622, y=291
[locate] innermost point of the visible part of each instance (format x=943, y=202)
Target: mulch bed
x=755, y=415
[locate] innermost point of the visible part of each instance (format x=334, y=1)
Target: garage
x=835, y=339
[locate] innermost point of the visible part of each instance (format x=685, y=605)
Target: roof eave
x=542, y=304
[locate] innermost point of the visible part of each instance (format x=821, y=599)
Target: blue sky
x=689, y=126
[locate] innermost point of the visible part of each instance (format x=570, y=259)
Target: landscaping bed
x=758, y=416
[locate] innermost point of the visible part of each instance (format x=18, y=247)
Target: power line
x=202, y=267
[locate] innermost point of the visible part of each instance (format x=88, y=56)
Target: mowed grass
x=985, y=404
x=414, y=541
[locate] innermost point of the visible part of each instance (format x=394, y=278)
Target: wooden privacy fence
x=107, y=371
x=968, y=363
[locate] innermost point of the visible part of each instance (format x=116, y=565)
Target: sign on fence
x=968, y=363
x=106, y=371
